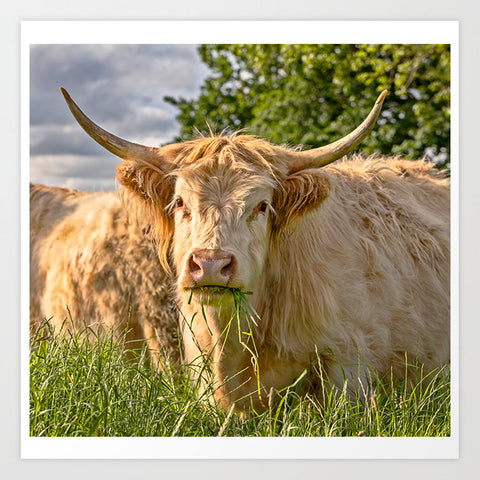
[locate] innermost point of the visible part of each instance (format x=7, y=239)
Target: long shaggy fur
x=91, y=266
x=353, y=267
x=349, y=264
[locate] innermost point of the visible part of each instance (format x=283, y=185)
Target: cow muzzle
x=212, y=268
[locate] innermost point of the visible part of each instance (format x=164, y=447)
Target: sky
x=119, y=87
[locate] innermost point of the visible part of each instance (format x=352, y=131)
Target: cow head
x=217, y=202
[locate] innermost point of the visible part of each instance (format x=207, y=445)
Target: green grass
x=101, y=388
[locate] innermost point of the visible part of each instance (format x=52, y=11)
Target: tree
x=314, y=94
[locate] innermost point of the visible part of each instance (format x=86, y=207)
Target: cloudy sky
x=120, y=87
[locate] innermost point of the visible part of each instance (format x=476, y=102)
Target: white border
x=186, y=32
x=193, y=32
x=240, y=448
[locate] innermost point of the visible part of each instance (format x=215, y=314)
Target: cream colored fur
x=89, y=264
x=349, y=264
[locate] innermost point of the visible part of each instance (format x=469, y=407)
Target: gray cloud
x=94, y=172
x=61, y=140
x=92, y=167
x=120, y=87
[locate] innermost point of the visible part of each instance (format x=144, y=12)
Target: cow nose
x=211, y=267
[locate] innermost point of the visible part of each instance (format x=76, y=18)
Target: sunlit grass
x=103, y=388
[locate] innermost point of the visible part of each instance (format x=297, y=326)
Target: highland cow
x=347, y=263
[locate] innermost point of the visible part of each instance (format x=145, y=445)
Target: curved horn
x=319, y=157
x=116, y=145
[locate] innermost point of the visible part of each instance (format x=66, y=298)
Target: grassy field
x=102, y=388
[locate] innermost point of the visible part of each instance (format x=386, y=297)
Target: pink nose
x=211, y=267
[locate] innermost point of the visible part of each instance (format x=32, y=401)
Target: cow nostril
x=228, y=270
x=193, y=266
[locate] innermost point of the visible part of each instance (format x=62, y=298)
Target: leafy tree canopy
x=313, y=94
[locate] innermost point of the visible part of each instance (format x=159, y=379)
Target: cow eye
x=179, y=202
x=261, y=207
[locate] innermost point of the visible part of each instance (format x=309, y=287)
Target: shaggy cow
x=89, y=264
x=347, y=263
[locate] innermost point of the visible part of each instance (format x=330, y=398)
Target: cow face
x=221, y=227
x=222, y=205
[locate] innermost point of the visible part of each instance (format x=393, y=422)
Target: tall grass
x=104, y=388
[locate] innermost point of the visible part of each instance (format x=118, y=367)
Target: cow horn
x=116, y=145
x=319, y=157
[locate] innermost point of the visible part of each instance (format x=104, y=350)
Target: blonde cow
x=347, y=262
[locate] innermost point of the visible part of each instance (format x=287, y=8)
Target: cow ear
x=298, y=194
x=144, y=180
x=147, y=192
x=133, y=177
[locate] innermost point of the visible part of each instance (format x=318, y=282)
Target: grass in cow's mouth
x=216, y=291
x=242, y=310
x=219, y=289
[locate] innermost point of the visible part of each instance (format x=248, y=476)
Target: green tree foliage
x=313, y=94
